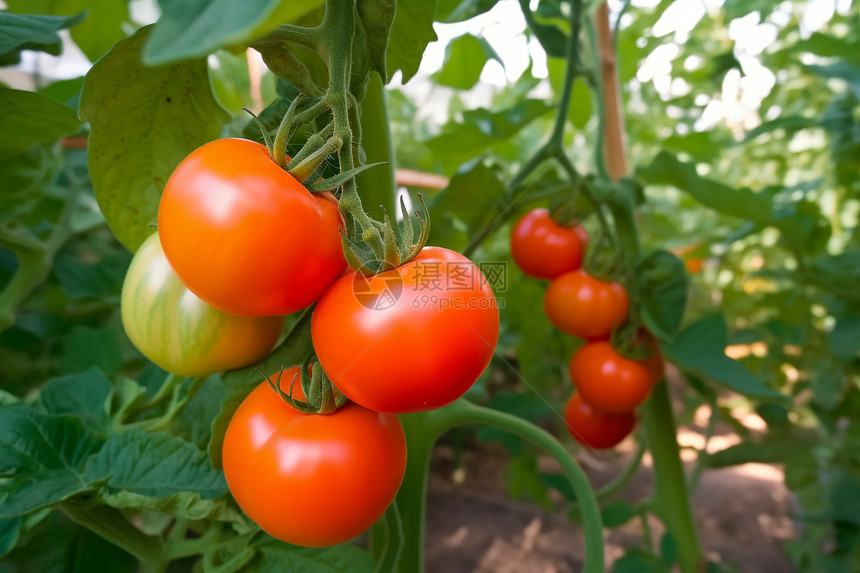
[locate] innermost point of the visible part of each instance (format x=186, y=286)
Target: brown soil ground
x=473, y=526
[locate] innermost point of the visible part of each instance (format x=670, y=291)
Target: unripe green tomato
x=181, y=333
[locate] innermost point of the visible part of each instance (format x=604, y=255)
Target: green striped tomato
x=178, y=331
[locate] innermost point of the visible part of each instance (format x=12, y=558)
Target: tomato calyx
x=322, y=396
x=397, y=248
x=309, y=162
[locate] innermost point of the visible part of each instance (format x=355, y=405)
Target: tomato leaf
x=196, y=28
x=44, y=456
x=85, y=396
x=617, y=513
x=377, y=17
x=474, y=196
x=699, y=348
x=10, y=529
x=480, y=128
x=276, y=557
x=31, y=32
x=451, y=11
x=27, y=118
x=154, y=466
x=292, y=352
x=25, y=177
x=663, y=290
x=666, y=169
x=638, y=561
x=85, y=347
x=94, y=34
x=465, y=58
x=411, y=31
x=143, y=122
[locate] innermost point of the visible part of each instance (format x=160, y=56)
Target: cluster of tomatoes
x=608, y=385
x=240, y=244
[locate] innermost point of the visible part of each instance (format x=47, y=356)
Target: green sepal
x=336, y=181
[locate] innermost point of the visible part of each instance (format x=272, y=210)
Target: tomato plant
x=311, y=479
x=595, y=429
x=544, y=249
x=607, y=381
x=580, y=305
x=413, y=338
x=246, y=236
x=180, y=332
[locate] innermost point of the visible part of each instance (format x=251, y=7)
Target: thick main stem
x=377, y=184
x=423, y=429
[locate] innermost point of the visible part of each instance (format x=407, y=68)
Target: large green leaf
x=377, y=17
x=44, y=455
x=276, y=557
x=474, y=196
x=465, y=58
x=700, y=349
x=95, y=34
x=25, y=178
x=481, y=128
x=86, y=347
x=411, y=32
x=85, y=396
x=663, y=291
x=450, y=11
x=31, y=32
x=143, y=122
x=155, y=466
x=196, y=28
x=666, y=169
x=10, y=529
x=27, y=118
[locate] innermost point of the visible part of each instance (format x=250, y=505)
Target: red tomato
x=593, y=429
x=244, y=235
x=544, y=249
x=310, y=479
x=607, y=381
x=580, y=305
x=410, y=339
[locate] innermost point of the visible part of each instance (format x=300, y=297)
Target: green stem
x=554, y=145
x=617, y=484
x=672, y=502
x=337, y=32
x=110, y=524
x=393, y=547
x=377, y=185
x=424, y=428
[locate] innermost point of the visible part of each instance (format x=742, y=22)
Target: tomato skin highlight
x=244, y=235
x=310, y=479
x=542, y=248
x=418, y=352
x=580, y=305
x=178, y=331
x=594, y=429
x=607, y=381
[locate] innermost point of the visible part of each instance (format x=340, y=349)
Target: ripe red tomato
x=310, y=479
x=409, y=339
x=180, y=332
x=544, y=249
x=607, y=381
x=594, y=429
x=244, y=235
x=580, y=305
